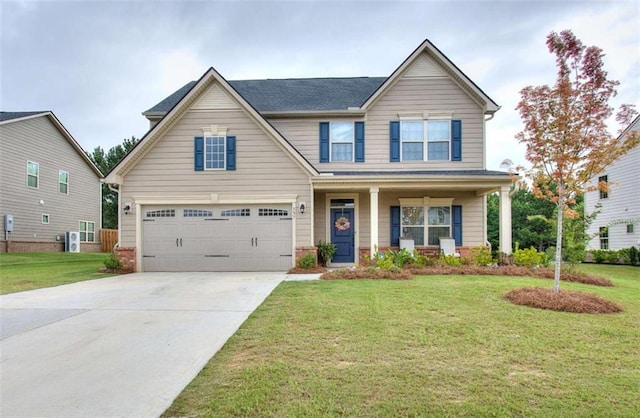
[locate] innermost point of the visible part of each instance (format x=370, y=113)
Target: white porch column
x=505, y=220
x=373, y=216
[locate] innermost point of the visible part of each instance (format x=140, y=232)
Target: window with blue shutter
x=394, y=141
x=457, y=224
x=231, y=153
x=395, y=226
x=214, y=153
x=324, y=142
x=359, y=142
x=198, y=153
x=456, y=140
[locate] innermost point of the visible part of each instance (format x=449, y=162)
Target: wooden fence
x=108, y=238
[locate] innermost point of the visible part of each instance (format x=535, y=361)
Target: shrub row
x=624, y=256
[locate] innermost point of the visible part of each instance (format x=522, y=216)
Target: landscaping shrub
x=451, y=260
x=112, y=263
x=481, y=256
x=634, y=258
x=563, y=301
x=326, y=251
x=367, y=273
x=528, y=257
x=307, y=261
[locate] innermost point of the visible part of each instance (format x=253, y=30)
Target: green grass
x=432, y=346
x=27, y=271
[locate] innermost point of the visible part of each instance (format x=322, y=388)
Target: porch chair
x=448, y=247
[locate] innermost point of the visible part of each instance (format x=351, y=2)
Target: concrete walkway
x=121, y=346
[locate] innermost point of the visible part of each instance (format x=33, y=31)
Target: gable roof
x=15, y=117
x=292, y=94
x=456, y=74
x=5, y=116
x=192, y=92
x=331, y=94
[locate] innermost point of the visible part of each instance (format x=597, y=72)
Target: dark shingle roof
x=293, y=94
x=15, y=115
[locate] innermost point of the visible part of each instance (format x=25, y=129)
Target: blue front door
x=342, y=234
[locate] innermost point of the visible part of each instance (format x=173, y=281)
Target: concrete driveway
x=120, y=346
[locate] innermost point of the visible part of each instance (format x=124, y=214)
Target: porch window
x=438, y=223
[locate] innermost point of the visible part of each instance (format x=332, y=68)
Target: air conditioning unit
x=72, y=242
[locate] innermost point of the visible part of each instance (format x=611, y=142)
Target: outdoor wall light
x=302, y=208
x=127, y=209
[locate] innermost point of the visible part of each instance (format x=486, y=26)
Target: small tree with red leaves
x=565, y=128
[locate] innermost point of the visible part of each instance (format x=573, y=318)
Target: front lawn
x=431, y=346
x=27, y=271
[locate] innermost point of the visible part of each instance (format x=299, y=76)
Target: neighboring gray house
x=49, y=185
x=251, y=174
x=617, y=225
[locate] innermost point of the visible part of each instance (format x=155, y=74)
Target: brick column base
x=127, y=256
x=302, y=251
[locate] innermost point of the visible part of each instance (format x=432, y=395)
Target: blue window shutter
x=198, y=153
x=456, y=140
x=324, y=142
x=394, y=136
x=231, y=153
x=359, y=128
x=457, y=224
x=395, y=226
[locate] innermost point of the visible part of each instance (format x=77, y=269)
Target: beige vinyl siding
x=262, y=168
x=38, y=140
x=435, y=94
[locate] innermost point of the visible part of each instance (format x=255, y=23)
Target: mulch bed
x=542, y=272
x=314, y=270
x=356, y=274
x=563, y=301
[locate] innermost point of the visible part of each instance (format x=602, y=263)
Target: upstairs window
x=604, y=194
x=63, y=182
x=33, y=174
x=425, y=140
x=341, y=138
x=214, y=152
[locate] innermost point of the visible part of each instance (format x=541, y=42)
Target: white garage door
x=216, y=238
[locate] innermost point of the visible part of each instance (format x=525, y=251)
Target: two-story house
x=617, y=224
x=250, y=174
x=49, y=186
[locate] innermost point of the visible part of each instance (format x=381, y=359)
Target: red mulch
x=563, y=301
x=545, y=273
x=347, y=274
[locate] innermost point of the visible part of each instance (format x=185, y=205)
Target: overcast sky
x=98, y=64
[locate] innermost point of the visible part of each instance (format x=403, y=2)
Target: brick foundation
x=127, y=256
x=45, y=247
x=302, y=251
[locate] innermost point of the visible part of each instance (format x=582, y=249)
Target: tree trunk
x=556, y=275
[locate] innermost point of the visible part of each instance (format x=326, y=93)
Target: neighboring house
x=250, y=175
x=617, y=225
x=49, y=185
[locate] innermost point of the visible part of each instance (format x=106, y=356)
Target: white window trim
x=60, y=183
x=224, y=153
x=352, y=142
x=425, y=135
x=37, y=175
x=42, y=218
x=86, y=231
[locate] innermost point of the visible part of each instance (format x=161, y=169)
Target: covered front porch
x=363, y=214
